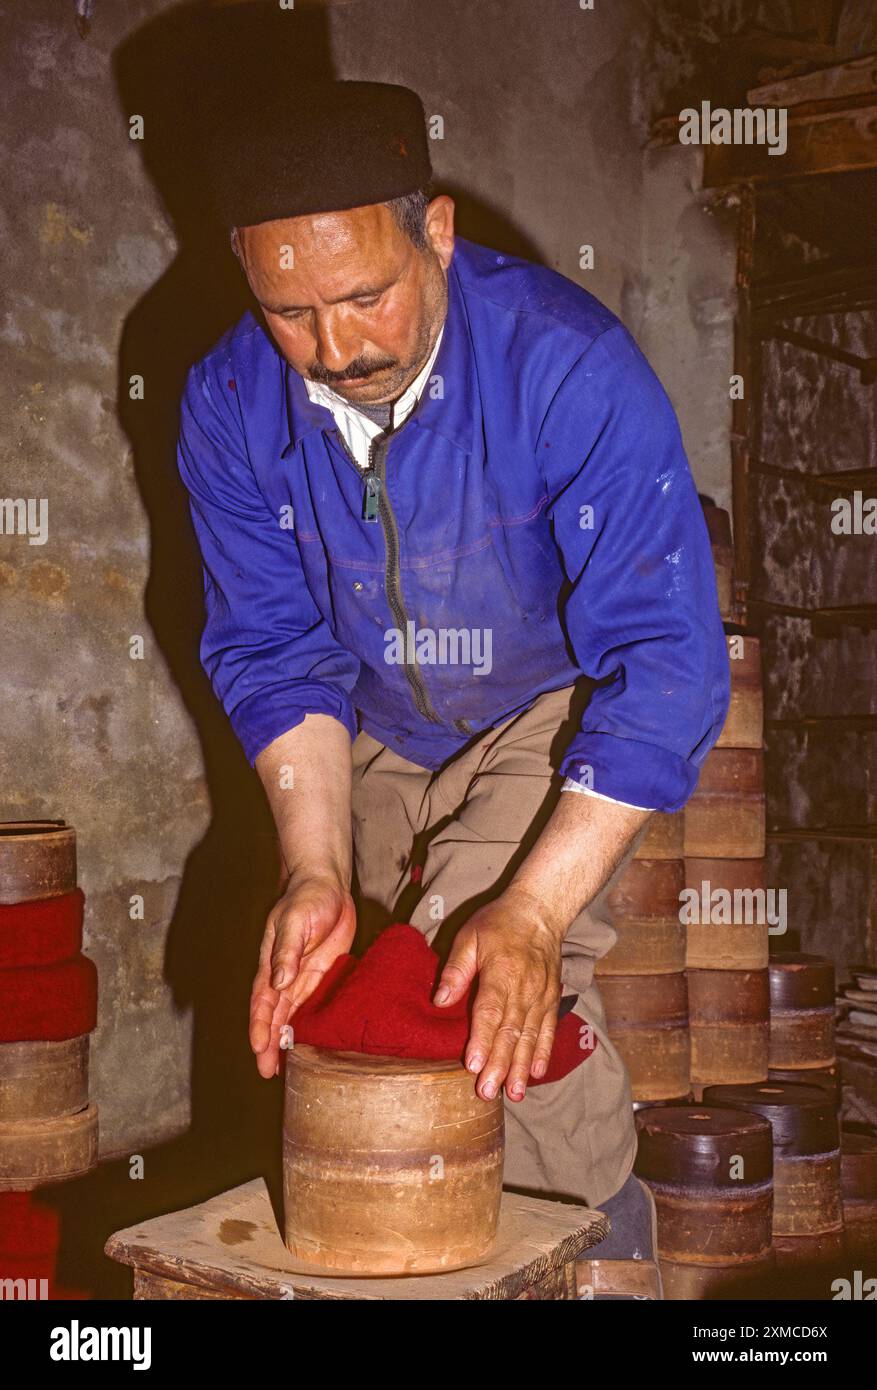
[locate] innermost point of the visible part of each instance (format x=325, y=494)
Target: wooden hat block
x=390, y=1165
x=43, y=1080
x=35, y=1153
x=231, y=1248
x=37, y=860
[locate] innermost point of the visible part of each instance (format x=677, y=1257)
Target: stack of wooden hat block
x=747, y=1173
x=48, y=1008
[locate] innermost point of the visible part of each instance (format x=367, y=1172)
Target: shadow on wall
x=230, y=878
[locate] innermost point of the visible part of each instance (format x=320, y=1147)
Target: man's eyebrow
x=363, y=292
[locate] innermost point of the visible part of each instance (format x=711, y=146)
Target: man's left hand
x=514, y=948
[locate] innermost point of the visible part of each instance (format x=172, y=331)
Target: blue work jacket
x=533, y=521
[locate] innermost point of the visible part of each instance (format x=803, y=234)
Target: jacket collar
x=452, y=415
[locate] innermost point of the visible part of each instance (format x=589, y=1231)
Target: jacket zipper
x=376, y=506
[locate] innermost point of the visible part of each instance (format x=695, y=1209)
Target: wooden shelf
x=841, y=83
x=825, y=142
x=861, y=615
x=848, y=479
x=865, y=366
x=823, y=290
x=853, y=723
x=837, y=834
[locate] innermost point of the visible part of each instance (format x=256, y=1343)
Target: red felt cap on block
x=27, y=1226
x=41, y=932
x=45, y=1003
x=382, y=1005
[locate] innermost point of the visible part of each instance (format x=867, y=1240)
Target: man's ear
x=440, y=228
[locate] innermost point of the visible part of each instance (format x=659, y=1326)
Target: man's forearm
x=306, y=774
x=575, y=855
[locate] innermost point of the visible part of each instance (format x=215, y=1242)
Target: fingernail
x=518, y=1091
x=277, y=978
x=538, y=1068
x=475, y=1063
x=441, y=994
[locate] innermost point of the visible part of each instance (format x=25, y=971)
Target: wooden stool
x=231, y=1247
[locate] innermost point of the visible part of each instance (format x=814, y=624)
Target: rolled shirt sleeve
x=570, y=786
x=270, y=655
x=641, y=610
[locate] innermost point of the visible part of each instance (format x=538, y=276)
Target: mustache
x=360, y=366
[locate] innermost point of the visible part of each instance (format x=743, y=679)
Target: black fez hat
x=304, y=147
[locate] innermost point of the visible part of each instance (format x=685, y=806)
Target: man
x=455, y=565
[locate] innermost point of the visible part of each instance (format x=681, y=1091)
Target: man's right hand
x=312, y=924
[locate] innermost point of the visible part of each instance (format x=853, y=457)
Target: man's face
x=348, y=298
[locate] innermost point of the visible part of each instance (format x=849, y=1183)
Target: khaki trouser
x=476, y=819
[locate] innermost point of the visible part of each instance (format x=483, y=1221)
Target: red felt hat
x=382, y=1005
x=41, y=932
x=45, y=1003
